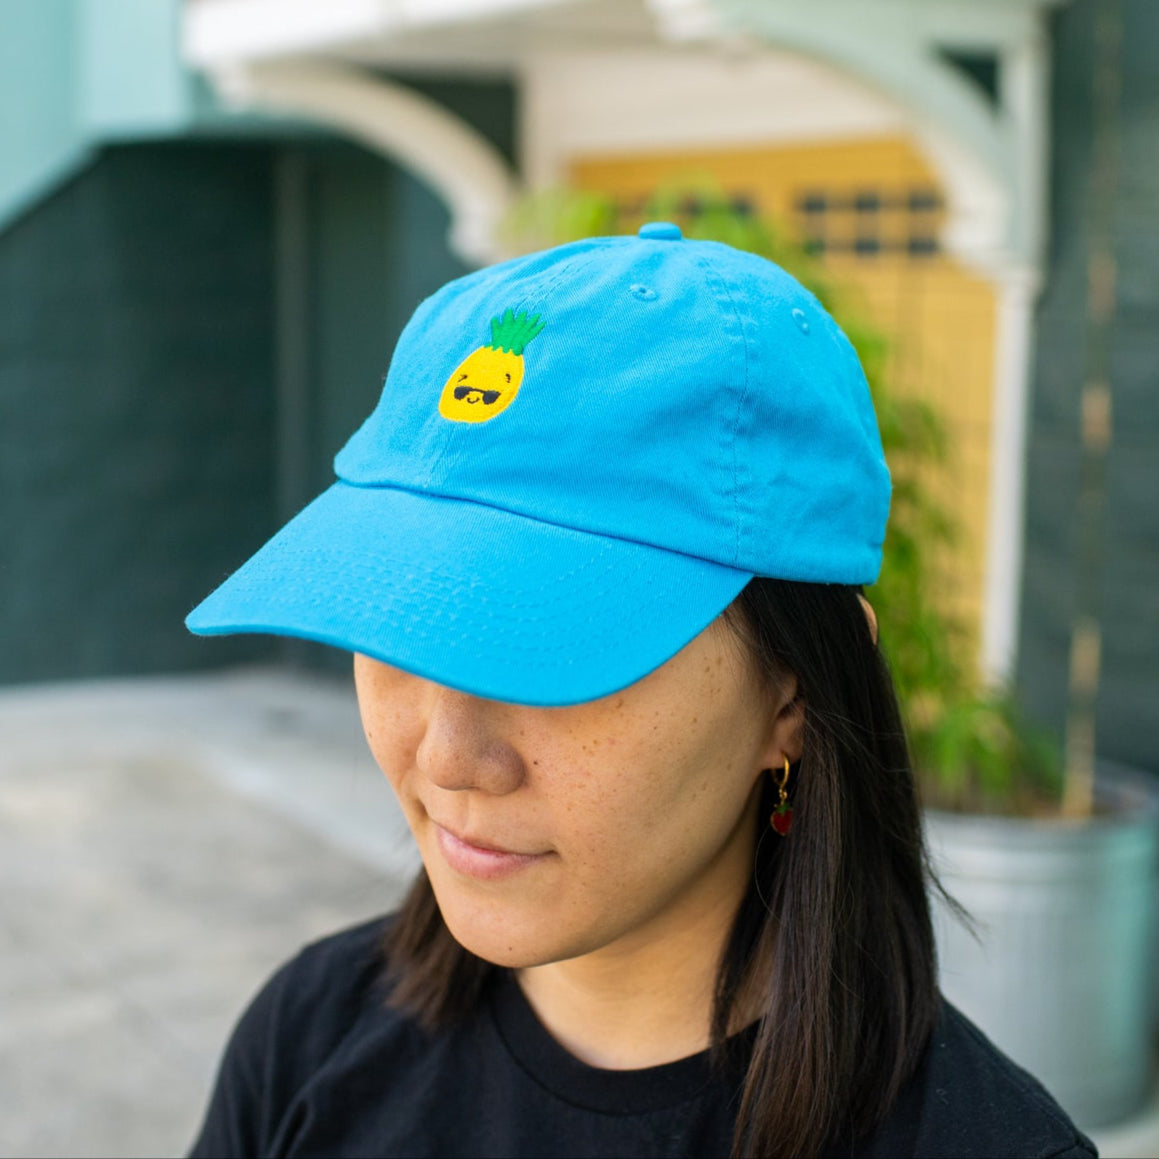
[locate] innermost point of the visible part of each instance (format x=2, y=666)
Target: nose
x=460, y=749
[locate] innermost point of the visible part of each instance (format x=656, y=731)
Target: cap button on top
x=661, y=231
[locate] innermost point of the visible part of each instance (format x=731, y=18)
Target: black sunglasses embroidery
x=489, y=396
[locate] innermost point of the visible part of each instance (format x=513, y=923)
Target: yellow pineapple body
x=483, y=385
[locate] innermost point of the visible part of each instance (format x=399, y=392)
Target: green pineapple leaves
x=513, y=332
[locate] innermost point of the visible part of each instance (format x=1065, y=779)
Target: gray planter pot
x=1062, y=973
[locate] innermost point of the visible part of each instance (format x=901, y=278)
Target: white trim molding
x=654, y=99
x=466, y=171
x=221, y=31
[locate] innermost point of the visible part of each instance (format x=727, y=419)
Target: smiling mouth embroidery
x=486, y=382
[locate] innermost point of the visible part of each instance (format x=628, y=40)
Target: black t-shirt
x=319, y=1066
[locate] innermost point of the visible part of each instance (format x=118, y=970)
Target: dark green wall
x=376, y=246
x=1126, y=719
x=152, y=435
x=135, y=408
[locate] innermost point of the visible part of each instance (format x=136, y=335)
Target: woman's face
x=548, y=833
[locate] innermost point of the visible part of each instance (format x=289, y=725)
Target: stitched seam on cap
x=712, y=272
x=534, y=653
x=572, y=264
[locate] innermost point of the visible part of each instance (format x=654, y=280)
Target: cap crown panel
x=796, y=475
x=616, y=429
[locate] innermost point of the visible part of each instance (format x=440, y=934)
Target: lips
x=485, y=846
x=482, y=859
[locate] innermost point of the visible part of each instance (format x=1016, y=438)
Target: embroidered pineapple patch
x=486, y=382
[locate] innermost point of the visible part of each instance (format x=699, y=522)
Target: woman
x=598, y=554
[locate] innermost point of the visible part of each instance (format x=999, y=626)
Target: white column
x=1025, y=101
x=1017, y=291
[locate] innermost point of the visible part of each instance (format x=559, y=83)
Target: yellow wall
x=937, y=316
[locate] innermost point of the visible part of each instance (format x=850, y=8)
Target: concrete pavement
x=164, y=844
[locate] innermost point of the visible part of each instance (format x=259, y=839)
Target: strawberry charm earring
x=781, y=818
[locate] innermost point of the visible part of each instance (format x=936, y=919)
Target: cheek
x=637, y=811
x=392, y=728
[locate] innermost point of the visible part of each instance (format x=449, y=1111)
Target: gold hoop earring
x=781, y=818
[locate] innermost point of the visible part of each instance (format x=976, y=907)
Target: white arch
x=466, y=171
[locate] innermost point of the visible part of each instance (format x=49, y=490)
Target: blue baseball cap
x=580, y=457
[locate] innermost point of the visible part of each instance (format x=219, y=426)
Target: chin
x=506, y=935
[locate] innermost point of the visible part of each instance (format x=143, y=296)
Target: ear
x=870, y=615
x=786, y=727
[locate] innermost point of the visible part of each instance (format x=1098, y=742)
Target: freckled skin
x=644, y=802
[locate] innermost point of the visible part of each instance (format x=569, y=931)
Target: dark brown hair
x=833, y=934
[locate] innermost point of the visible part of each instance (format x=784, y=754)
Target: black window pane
x=923, y=200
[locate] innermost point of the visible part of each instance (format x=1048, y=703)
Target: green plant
x=972, y=747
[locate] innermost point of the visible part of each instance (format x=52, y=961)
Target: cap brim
x=473, y=597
